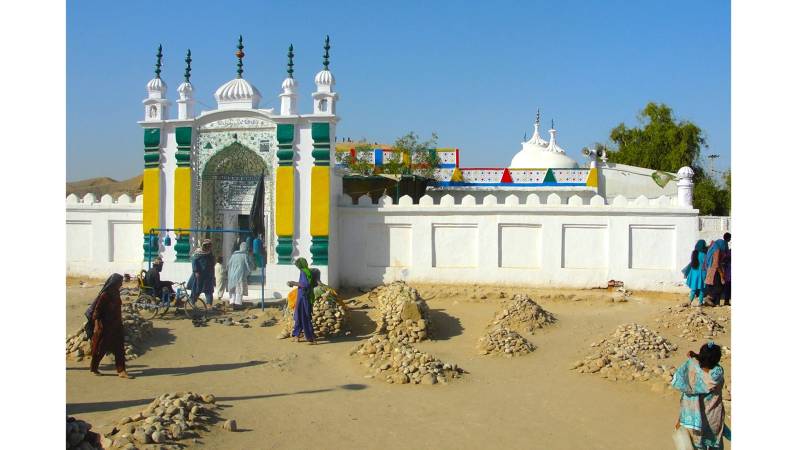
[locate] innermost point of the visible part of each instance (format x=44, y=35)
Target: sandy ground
x=294, y=395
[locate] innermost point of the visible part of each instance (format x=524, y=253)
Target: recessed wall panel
x=455, y=245
x=79, y=240
x=389, y=245
x=520, y=246
x=584, y=247
x=652, y=247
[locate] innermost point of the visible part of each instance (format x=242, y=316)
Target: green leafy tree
x=659, y=142
x=423, y=161
x=662, y=143
x=360, y=163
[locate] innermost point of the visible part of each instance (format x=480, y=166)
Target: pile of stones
x=329, y=317
x=168, y=419
x=399, y=363
x=692, y=323
x=137, y=331
x=502, y=341
x=79, y=436
x=403, y=313
x=243, y=322
x=521, y=313
x=625, y=354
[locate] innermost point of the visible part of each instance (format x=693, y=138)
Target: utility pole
x=711, y=159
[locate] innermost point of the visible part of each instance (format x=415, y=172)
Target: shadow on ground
x=82, y=408
x=445, y=326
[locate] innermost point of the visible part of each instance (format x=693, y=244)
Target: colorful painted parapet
x=487, y=177
x=378, y=156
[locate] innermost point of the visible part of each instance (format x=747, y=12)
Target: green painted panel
x=320, y=154
x=152, y=137
x=182, y=248
x=183, y=136
x=285, y=157
x=319, y=251
x=183, y=156
x=284, y=249
x=550, y=177
x=152, y=157
x=321, y=132
x=285, y=133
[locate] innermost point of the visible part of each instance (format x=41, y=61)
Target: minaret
x=324, y=97
x=289, y=96
x=186, y=92
x=156, y=105
x=552, y=145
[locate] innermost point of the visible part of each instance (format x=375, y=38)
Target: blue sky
x=474, y=73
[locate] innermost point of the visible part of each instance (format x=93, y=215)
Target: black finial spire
x=327, y=47
x=158, y=62
x=239, y=55
x=537, y=115
x=552, y=124
x=289, y=67
x=188, y=72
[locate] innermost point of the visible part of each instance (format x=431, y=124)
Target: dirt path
x=290, y=395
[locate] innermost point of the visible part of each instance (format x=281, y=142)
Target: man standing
x=161, y=289
x=202, y=279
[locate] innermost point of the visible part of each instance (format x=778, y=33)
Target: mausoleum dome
x=537, y=153
x=542, y=159
x=237, y=93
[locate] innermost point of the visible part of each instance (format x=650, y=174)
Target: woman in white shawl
x=239, y=267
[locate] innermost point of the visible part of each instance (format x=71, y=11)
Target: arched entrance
x=228, y=182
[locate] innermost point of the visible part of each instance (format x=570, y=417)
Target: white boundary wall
x=552, y=241
x=104, y=236
x=526, y=240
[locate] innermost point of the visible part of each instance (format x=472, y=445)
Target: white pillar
x=685, y=187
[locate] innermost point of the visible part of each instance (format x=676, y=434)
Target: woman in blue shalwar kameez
x=700, y=380
x=305, y=296
x=696, y=273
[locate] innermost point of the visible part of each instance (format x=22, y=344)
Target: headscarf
x=242, y=247
x=200, y=250
x=112, y=281
x=302, y=264
x=700, y=247
x=719, y=244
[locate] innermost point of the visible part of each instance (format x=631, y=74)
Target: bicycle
x=192, y=309
x=148, y=306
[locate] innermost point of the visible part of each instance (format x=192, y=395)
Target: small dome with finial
x=156, y=88
x=238, y=93
x=289, y=83
x=324, y=78
x=185, y=89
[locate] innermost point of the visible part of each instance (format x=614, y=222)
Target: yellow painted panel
x=183, y=197
x=284, y=201
x=320, y=200
x=152, y=199
x=591, y=181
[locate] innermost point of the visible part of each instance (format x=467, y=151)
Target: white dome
x=185, y=88
x=288, y=84
x=542, y=159
x=237, y=93
x=156, y=88
x=685, y=172
x=540, y=154
x=324, y=78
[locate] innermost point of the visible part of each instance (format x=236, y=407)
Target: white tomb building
x=542, y=220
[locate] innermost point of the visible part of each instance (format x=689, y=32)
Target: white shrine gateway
x=543, y=220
